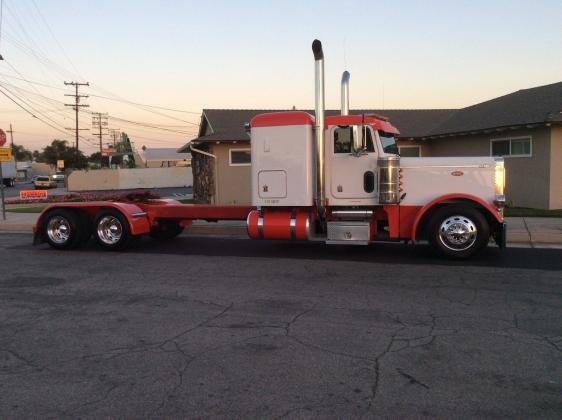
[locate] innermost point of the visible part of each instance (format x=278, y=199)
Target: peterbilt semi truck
x=335, y=179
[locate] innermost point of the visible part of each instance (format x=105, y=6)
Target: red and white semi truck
x=336, y=179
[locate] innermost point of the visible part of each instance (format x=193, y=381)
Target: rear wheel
x=111, y=229
x=458, y=231
x=62, y=229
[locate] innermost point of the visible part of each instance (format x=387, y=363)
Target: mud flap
x=500, y=235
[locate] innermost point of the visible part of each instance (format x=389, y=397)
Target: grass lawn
x=526, y=212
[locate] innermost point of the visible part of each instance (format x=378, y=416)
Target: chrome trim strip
x=484, y=165
x=138, y=214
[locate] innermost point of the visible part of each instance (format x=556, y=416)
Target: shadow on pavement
x=382, y=253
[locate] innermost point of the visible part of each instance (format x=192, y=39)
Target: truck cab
x=354, y=145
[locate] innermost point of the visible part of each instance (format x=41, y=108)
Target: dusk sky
x=257, y=54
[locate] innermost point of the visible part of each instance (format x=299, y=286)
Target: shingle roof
x=228, y=124
x=541, y=104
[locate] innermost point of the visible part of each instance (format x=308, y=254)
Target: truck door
x=353, y=172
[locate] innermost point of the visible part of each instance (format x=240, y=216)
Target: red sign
x=107, y=152
x=33, y=194
x=2, y=138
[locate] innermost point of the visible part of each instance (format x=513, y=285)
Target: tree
x=21, y=153
x=59, y=150
x=97, y=158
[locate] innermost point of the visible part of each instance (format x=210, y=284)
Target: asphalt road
x=211, y=327
x=11, y=192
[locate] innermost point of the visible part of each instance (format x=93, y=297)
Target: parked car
x=58, y=176
x=44, y=182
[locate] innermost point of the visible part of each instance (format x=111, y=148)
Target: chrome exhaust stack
x=345, y=93
x=320, y=194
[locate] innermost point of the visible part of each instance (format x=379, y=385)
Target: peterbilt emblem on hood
x=457, y=173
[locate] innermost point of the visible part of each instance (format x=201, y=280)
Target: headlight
x=499, y=178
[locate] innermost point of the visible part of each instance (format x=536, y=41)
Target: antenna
x=1, y=10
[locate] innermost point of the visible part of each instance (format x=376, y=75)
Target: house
x=525, y=127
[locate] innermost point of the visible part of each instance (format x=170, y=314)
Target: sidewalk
x=522, y=231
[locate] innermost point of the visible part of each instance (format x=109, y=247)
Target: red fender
x=135, y=215
x=457, y=196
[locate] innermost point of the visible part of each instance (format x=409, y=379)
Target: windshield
x=388, y=142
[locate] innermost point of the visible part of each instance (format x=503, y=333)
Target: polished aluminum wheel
x=458, y=233
x=110, y=230
x=58, y=230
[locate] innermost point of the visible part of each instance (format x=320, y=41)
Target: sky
x=188, y=55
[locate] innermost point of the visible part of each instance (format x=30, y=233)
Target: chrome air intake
x=345, y=93
x=389, y=179
x=320, y=195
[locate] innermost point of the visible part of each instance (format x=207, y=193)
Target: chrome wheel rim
x=58, y=230
x=457, y=233
x=110, y=230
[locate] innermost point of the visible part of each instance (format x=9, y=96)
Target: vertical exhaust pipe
x=345, y=93
x=320, y=194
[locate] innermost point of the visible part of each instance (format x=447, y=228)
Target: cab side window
x=343, y=139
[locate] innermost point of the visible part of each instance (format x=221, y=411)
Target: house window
x=409, y=151
x=514, y=147
x=240, y=157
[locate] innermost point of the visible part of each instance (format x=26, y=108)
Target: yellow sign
x=5, y=154
x=33, y=194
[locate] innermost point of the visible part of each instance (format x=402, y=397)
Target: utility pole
x=11, y=135
x=99, y=121
x=76, y=105
x=114, y=132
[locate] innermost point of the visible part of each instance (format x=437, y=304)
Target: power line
x=55, y=38
x=126, y=101
x=145, y=105
x=28, y=103
x=29, y=112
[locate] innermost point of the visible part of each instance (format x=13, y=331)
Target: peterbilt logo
x=457, y=173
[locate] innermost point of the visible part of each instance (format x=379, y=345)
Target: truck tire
x=458, y=231
x=166, y=230
x=61, y=228
x=111, y=230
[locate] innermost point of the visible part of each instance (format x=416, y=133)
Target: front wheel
x=111, y=229
x=458, y=231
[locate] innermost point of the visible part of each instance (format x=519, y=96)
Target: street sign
x=60, y=164
x=107, y=152
x=33, y=194
x=2, y=138
x=5, y=154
